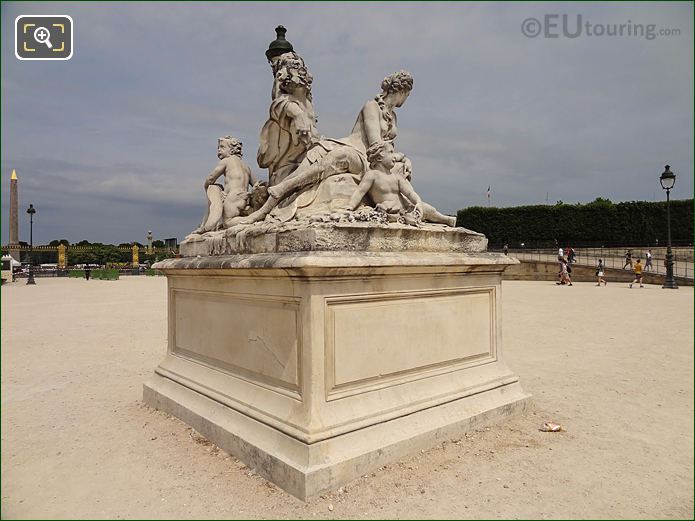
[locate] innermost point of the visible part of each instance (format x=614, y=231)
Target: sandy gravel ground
x=613, y=365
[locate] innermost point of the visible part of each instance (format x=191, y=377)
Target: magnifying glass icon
x=43, y=35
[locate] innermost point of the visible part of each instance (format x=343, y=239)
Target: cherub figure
x=391, y=192
x=232, y=200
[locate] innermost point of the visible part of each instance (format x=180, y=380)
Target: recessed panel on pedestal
x=257, y=338
x=377, y=340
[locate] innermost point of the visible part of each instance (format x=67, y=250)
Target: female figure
x=377, y=120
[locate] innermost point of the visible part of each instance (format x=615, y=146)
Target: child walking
x=599, y=273
x=638, y=274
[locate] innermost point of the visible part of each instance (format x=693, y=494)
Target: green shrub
x=105, y=274
x=598, y=222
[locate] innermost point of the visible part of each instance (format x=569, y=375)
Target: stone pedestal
x=317, y=367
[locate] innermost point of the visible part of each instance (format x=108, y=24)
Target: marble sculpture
x=328, y=321
x=313, y=181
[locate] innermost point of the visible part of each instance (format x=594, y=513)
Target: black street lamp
x=31, y=211
x=668, y=179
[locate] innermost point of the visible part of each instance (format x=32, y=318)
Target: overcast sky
x=118, y=139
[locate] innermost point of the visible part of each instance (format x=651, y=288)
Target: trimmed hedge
x=105, y=274
x=600, y=222
x=94, y=274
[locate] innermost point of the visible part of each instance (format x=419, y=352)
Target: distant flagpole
x=488, y=195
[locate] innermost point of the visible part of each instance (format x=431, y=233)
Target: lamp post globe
x=667, y=180
x=31, y=211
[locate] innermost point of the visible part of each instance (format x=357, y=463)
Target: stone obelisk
x=14, y=217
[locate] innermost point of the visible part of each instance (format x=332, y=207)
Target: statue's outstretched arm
x=407, y=165
x=407, y=190
x=301, y=122
x=371, y=120
x=252, y=178
x=215, y=174
x=360, y=191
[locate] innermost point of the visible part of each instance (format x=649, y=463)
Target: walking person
x=87, y=272
x=566, y=274
x=599, y=273
x=648, y=265
x=565, y=271
x=628, y=259
x=638, y=274
x=561, y=261
x=570, y=255
x=506, y=249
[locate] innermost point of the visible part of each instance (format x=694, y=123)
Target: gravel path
x=613, y=365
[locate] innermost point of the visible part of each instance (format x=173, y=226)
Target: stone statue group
x=313, y=178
